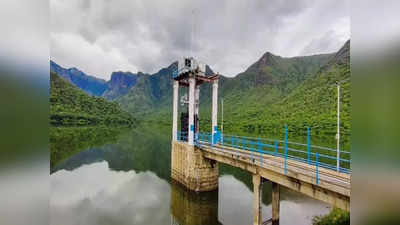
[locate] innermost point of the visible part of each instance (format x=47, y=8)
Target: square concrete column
x=257, y=191
x=275, y=203
x=192, y=85
x=214, y=116
x=197, y=99
x=197, y=105
x=175, y=111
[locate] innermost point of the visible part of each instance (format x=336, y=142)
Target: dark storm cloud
x=228, y=35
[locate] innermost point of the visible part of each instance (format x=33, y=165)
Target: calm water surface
x=121, y=176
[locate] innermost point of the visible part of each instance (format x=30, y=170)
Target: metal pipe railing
x=311, y=154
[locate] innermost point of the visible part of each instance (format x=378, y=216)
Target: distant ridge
x=119, y=84
x=89, y=84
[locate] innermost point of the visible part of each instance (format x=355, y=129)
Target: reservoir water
x=121, y=176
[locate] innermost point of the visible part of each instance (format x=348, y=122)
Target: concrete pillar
x=192, y=84
x=197, y=99
x=257, y=191
x=191, y=169
x=197, y=105
x=275, y=203
x=214, y=116
x=175, y=111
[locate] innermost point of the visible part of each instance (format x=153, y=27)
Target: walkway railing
x=303, y=152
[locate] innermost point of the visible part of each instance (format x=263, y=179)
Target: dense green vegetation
x=335, y=217
x=312, y=104
x=70, y=106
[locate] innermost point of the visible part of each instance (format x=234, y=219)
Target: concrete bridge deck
x=326, y=185
x=196, y=167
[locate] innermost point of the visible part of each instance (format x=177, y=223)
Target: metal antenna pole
x=192, y=31
x=338, y=128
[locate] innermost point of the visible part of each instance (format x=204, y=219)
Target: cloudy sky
x=102, y=36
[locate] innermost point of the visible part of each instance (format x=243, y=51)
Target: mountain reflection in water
x=125, y=179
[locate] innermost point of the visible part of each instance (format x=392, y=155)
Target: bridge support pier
x=190, y=168
x=275, y=203
x=257, y=203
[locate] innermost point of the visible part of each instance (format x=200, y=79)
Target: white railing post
x=191, y=131
x=338, y=129
x=175, y=111
x=214, y=127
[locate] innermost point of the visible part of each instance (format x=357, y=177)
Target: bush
x=335, y=217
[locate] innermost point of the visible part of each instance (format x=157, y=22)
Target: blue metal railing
x=175, y=73
x=311, y=154
x=317, y=156
x=182, y=136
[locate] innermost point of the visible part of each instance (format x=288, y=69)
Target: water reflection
x=94, y=194
x=68, y=141
x=236, y=204
x=190, y=208
x=125, y=179
x=140, y=150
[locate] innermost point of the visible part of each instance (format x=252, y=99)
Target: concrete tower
x=188, y=167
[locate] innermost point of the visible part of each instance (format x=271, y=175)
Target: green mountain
x=120, y=84
x=152, y=93
x=279, y=74
x=70, y=105
x=310, y=100
x=89, y=84
x=274, y=91
x=149, y=93
x=262, y=85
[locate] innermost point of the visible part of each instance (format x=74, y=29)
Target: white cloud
x=102, y=36
x=92, y=58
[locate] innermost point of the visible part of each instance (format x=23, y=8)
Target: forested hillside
x=312, y=103
x=71, y=106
